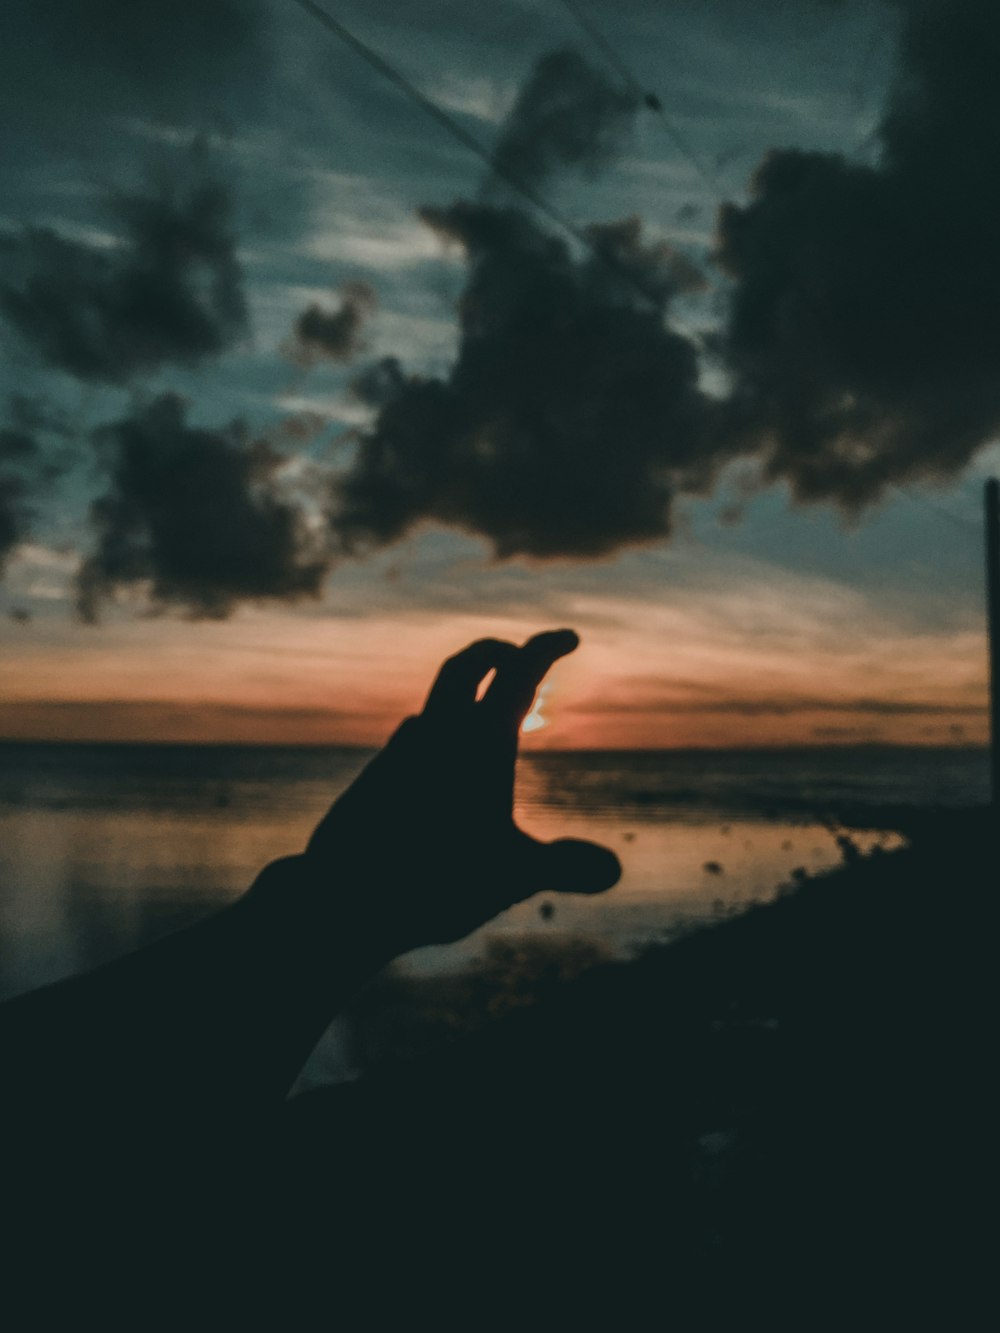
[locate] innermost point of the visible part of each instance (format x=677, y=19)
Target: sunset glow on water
x=103, y=848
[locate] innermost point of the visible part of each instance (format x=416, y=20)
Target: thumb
x=569, y=865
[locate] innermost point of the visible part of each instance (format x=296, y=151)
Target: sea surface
x=105, y=847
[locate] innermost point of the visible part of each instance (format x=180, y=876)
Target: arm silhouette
x=211, y=1026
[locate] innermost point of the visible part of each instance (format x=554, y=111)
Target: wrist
x=294, y=904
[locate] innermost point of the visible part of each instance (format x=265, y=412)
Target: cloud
x=860, y=342
x=570, y=416
x=379, y=383
x=862, y=338
x=785, y=706
x=199, y=516
x=568, y=114
x=15, y=515
x=334, y=335
x=572, y=412
x=170, y=291
x=27, y=463
x=195, y=721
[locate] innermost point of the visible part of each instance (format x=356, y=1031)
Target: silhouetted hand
x=425, y=839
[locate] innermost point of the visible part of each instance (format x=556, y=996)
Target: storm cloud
x=198, y=517
x=169, y=289
x=572, y=412
x=570, y=416
x=863, y=339
x=568, y=114
x=861, y=345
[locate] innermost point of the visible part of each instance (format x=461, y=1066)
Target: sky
x=681, y=332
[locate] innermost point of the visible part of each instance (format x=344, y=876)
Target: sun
x=535, y=720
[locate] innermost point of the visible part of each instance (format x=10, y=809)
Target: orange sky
x=809, y=662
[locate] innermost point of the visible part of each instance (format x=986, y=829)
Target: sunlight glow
x=535, y=721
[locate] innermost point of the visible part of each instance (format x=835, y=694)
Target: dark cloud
x=334, y=335
x=169, y=290
x=180, y=52
x=15, y=512
x=567, y=114
x=572, y=412
x=380, y=382
x=199, y=515
x=27, y=464
x=863, y=339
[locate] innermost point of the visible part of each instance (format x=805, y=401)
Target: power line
x=611, y=55
x=474, y=145
x=641, y=94
x=649, y=99
x=917, y=497
x=486, y=155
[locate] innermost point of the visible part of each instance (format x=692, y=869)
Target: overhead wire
x=474, y=145
x=640, y=92
x=918, y=497
x=615, y=59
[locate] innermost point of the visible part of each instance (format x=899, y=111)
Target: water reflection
x=105, y=847
x=93, y=864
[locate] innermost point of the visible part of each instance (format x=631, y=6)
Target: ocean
x=105, y=847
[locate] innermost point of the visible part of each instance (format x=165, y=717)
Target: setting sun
x=535, y=720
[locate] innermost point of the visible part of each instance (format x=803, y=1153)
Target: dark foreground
x=780, y=1121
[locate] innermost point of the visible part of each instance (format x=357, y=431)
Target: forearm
x=209, y=1025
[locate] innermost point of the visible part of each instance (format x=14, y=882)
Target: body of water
x=103, y=848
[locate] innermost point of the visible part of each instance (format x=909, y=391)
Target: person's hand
x=424, y=840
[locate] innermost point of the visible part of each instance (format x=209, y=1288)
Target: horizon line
x=532, y=751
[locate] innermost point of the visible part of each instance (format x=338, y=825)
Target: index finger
x=460, y=677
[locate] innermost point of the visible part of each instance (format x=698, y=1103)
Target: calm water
x=105, y=847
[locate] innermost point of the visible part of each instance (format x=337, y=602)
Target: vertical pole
x=991, y=499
